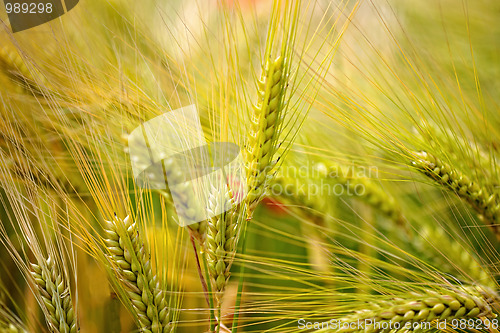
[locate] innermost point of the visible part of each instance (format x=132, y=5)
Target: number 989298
x=28, y=8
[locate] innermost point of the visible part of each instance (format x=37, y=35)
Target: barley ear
x=222, y=238
x=130, y=261
x=56, y=296
x=422, y=307
x=485, y=203
x=262, y=138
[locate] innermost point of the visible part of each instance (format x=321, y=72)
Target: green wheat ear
x=485, y=203
x=55, y=293
x=222, y=239
x=263, y=133
x=130, y=260
x=419, y=308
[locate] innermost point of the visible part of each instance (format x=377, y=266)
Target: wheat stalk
x=55, y=293
x=130, y=260
x=418, y=308
x=262, y=137
x=485, y=203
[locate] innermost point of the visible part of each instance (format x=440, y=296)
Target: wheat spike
x=222, y=238
x=130, y=260
x=418, y=308
x=56, y=296
x=264, y=131
x=485, y=203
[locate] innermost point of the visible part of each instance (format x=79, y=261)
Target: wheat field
x=251, y=166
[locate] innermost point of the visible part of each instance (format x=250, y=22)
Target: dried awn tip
x=130, y=260
x=264, y=131
x=485, y=203
x=56, y=296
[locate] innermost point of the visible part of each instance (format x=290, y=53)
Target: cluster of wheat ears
x=369, y=133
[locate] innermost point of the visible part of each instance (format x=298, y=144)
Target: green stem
x=211, y=298
x=234, y=327
x=200, y=273
x=219, y=315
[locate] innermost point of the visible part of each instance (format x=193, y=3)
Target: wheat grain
x=490, y=296
x=263, y=133
x=130, y=260
x=222, y=238
x=417, y=308
x=485, y=203
x=55, y=293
